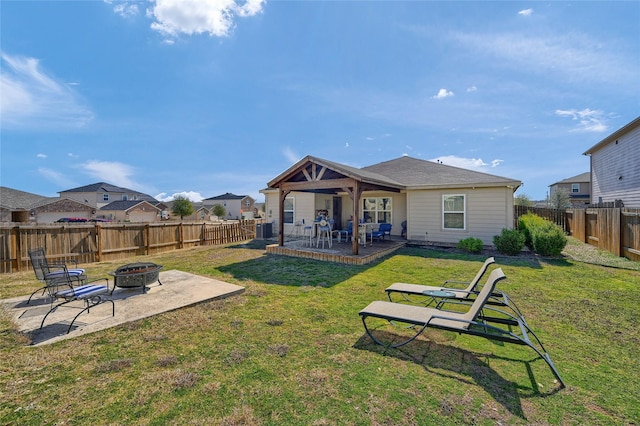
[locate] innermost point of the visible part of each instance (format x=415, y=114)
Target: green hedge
x=509, y=242
x=542, y=236
x=471, y=244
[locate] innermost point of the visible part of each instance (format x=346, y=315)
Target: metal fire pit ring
x=139, y=274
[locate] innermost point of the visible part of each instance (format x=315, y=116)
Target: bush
x=526, y=222
x=549, y=241
x=472, y=245
x=509, y=242
x=542, y=236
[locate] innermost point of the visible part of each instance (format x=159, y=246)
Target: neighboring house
x=615, y=167
x=52, y=209
x=577, y=187
x=235, y=206
x=16, y=206
x=100, y=194
x=438, y=202
x=130, y=211
x=200, y=212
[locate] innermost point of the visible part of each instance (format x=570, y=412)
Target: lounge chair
x=383, y=230
x=90, y=292
x=427, y=295
x=478, y=320
x=53, y=274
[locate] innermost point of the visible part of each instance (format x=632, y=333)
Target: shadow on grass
x=463, y=366
x=295, y=271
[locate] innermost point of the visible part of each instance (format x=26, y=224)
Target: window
x=453, y=211
x=124, y=197
x=105, y=197
x=289, y=210
x=377, y=210
x=575, y=187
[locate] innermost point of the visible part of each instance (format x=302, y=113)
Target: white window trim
x=464, y=212
x=293, y=210
x=575, y=187
x=375, y=211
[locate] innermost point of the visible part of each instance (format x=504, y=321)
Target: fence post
x=180, y=236
x=147, y=236
x=15, y=236
x=98, y=242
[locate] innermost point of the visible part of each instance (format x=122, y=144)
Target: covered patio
x=340, y=252
x=319, y=176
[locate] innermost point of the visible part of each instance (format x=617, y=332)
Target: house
x=16, y=206
x=438, y=202
x=577, y=187
x=200, y=212
x=235, y=206
x=615, y=167
x=100, y=194
x=130, y=211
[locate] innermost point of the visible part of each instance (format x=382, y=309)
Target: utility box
x=264, y=230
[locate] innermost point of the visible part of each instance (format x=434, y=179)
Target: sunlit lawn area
x=292, y=350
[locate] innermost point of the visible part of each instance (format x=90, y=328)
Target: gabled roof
x=227, y=196
x=581, y=178
x=315, y=169
x=612, y=137
x=398, y=174
x=414, y=173
x=126, y=205
x=12, y=199
x=107, y=187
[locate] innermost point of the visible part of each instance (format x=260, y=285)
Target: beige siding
x=615, y=171
x=303, y=203
x=488, y=211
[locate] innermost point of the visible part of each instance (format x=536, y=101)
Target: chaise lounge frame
x=479, y=320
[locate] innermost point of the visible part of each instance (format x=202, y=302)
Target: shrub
x=509, y=242
x=542, y=236
x=472, y=245
x=548, y=241
x=526, y=223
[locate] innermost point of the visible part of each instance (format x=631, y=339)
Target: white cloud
x=291, y=156
x=56, y=177
x=110, y=171
x=588, y=120
x=466, y=163
x=41, y=155
x=443, y=93
x=34, y=100
x=192, y=196
x=472, y=89
x=577, y=56
x=125, y=9
x=526, y=12
x=216, y=18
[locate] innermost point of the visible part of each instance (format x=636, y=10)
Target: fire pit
x=137, y=275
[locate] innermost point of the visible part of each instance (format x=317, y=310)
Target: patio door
x=337, y=212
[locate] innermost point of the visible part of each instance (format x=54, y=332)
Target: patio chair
x=504, y=327
x=91, y=293
x=383, y=230
x=347, y=233
x=427, y=295
x=52, y=274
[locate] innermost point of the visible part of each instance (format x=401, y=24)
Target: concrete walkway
x=178, y=289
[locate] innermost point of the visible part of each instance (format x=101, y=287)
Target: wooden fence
x=87, y=243
x=616, y=230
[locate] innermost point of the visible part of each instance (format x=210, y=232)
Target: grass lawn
x=292, y=350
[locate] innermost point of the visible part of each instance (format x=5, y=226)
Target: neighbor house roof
x=107, y=187
x=581, y=178
x=12, y=199
x=227, y=196
x=613, y=136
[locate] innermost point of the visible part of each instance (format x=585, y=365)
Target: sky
x=201, y=98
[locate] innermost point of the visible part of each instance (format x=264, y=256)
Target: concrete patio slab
x=178, y=289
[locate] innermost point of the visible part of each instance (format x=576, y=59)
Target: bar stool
x=307, y=232
x=324, y=233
